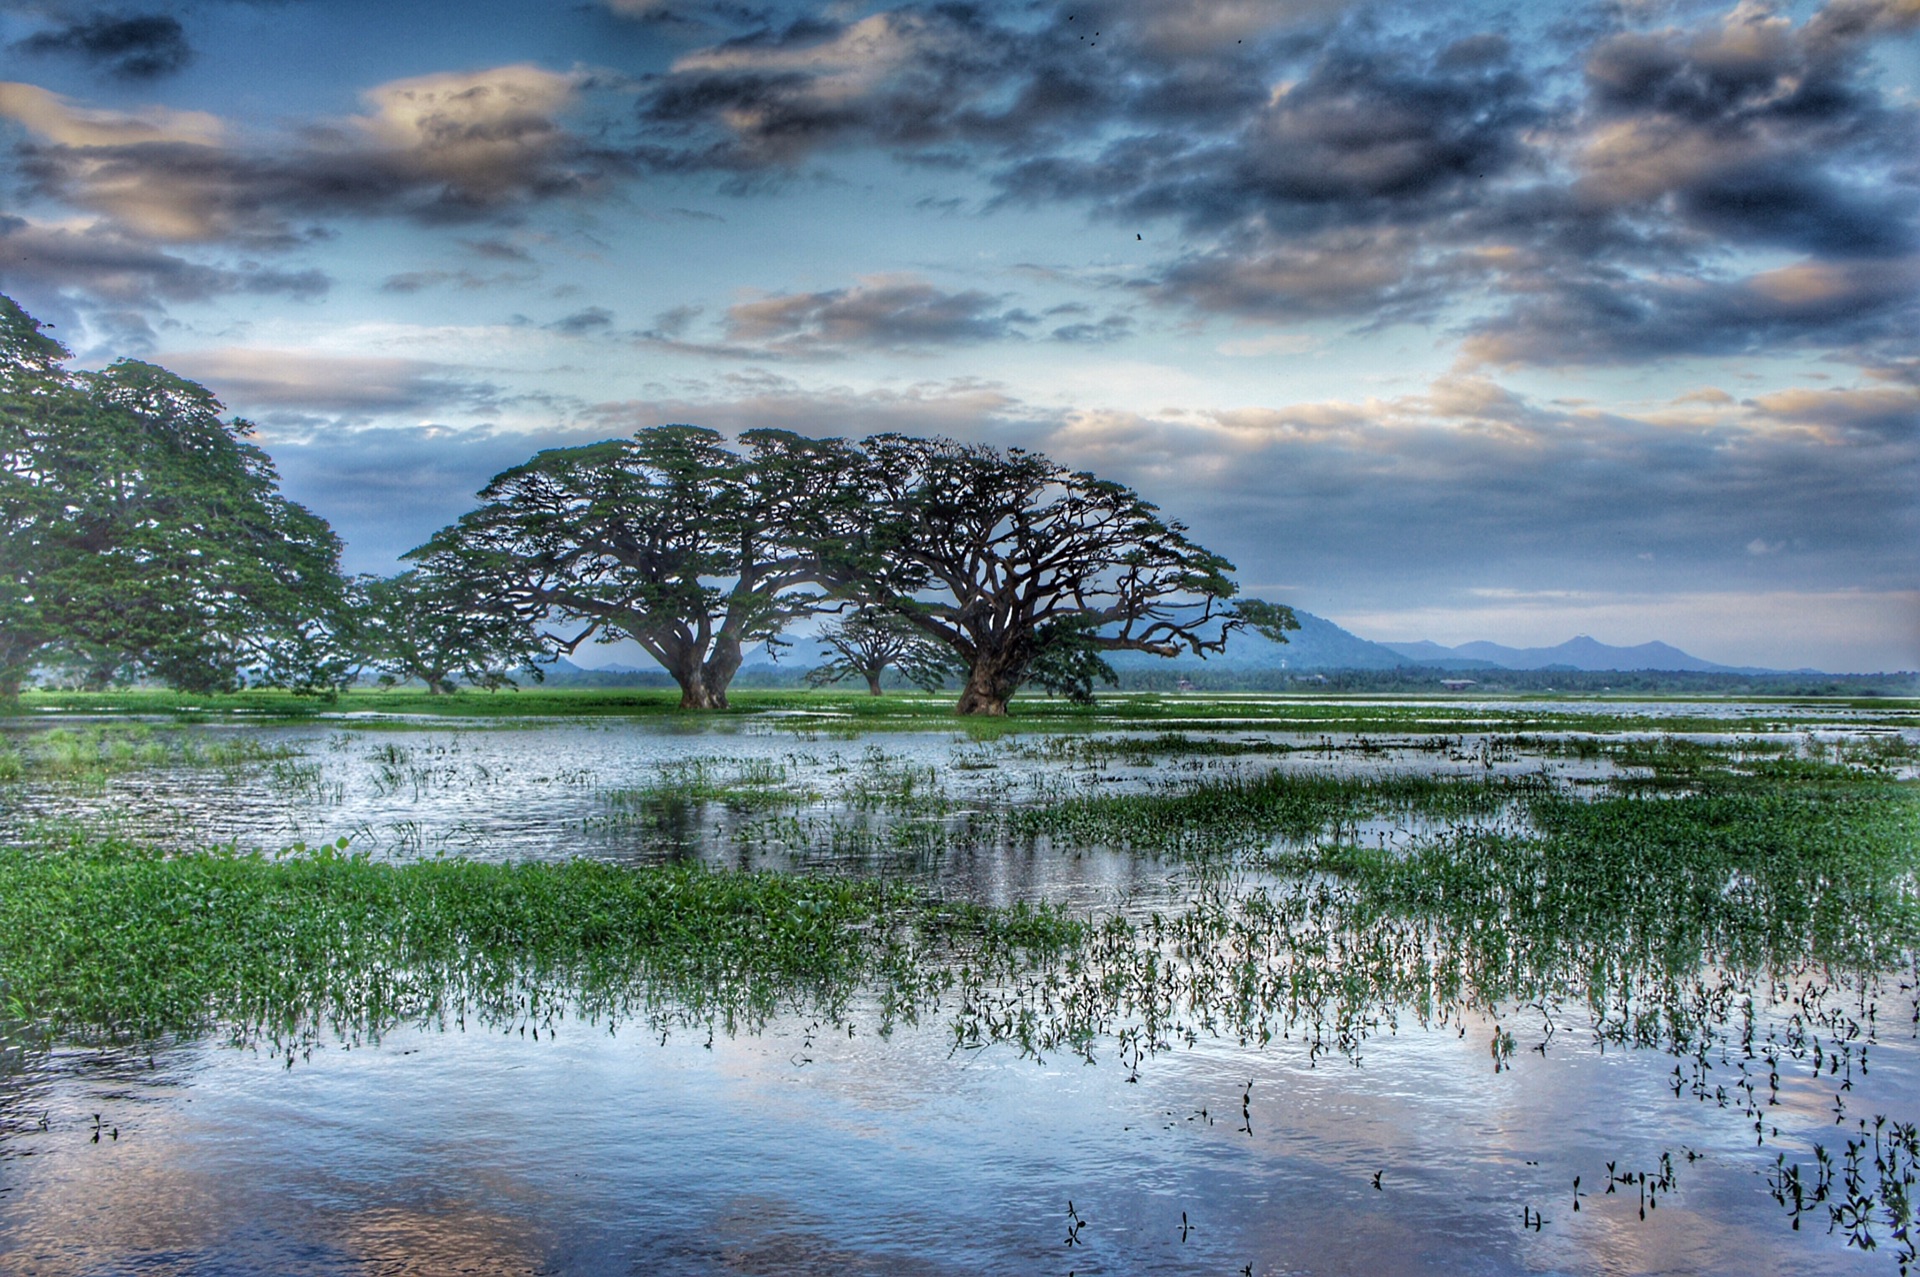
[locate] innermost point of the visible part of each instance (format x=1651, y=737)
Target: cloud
x=1619, y=318
x=61, y=122
x=1637, y=186
x=106, y=265
x=140, y=46
x=437, y=148
x=892, y=313
x=259, y=381
x=1367, y=505
x=1110, y=328
x=1390, y=498
x=591, y=320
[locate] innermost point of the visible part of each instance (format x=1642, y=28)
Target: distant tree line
x=144, y=537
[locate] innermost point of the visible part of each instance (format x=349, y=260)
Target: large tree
x=670, y=539
x=155, y=540
x=36, y=396
x=418, y=625
x=866, y=643
x=1029, y=571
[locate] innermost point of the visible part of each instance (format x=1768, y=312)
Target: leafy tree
x=1030, y=571
x=867, y=642
x=417, y=625
x=155, y=540
x=669, y=539
x=36, y=396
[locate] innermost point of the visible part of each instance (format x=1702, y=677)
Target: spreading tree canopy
x=146, y=537
x=1029, y=571
x=864, y=644
x=670, y=539
x=418, y=625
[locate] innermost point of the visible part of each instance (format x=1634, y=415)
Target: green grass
x=848, y=713
x=104, y=938
x=89, y=755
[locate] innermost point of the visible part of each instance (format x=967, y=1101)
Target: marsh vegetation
x=1690, y=934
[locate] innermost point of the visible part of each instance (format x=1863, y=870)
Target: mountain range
x=1319, y=644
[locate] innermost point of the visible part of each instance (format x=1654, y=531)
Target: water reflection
x=1343, y=1112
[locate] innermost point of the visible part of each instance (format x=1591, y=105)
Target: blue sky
x=1455, y=322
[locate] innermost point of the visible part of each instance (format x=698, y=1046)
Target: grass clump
x=92, y=755
x=106, y=938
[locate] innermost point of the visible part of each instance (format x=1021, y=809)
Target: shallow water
x=804, y=1151
x=808, y=1149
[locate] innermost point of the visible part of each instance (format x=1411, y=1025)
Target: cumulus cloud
x=1634, y=187
x=139, y=46
x=445, y=147
x=892, y=313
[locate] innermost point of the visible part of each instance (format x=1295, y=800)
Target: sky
x=1459, y=321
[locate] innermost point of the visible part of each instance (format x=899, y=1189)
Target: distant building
x=1185, y=684
x=1457, y=684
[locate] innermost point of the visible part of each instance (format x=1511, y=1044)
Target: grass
x=849, y=713
x=103, y=938
x=89, y=755
x=1749, y=903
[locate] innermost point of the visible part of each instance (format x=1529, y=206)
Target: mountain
x=1318, y=644
x=1581, y=653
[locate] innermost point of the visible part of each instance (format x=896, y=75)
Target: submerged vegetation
x=104, y=938
x=1741, y=896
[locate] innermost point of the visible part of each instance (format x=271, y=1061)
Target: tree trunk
x=717, y=672
x=694, y=691
x=873, y=679
x=988, y=689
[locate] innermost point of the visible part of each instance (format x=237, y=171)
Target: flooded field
x=1233, y=985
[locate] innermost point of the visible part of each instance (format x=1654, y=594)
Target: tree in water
x=1029, y=571
x=866, y=643
x=670, y=539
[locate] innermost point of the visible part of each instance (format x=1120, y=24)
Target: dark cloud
x=898, y=313
x=140, y=46
x=1323, y=163
x=1109, y=328
x=593, y=319
x=1382, y=273
x=1597, y=320
x=445, y=148
x=882, y=313
x=110, y=267
x=498, y=250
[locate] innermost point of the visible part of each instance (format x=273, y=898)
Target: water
x=808, y=1148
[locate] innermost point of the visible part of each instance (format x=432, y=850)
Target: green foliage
x=422, y=626
x=144, y=537
x=108, y=938
x=866, y=643
x=1026, y=568
x=669, y=539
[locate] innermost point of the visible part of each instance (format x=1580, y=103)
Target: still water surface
x=811, y=1149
